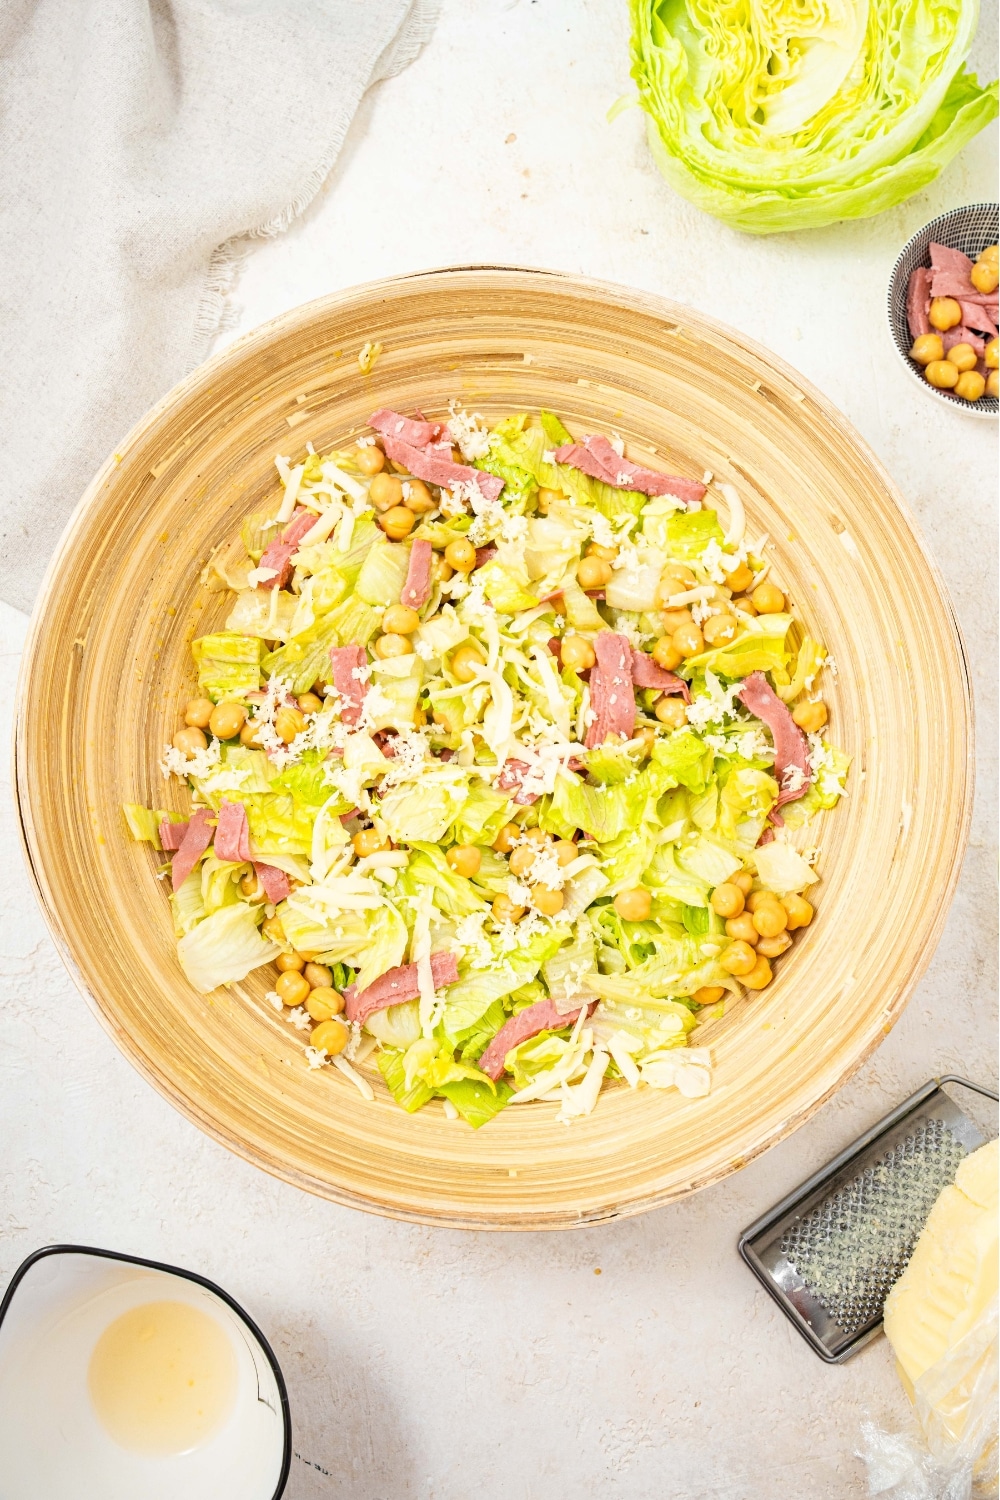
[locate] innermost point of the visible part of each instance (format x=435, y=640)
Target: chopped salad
x=497, y=765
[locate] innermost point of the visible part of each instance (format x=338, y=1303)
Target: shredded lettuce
x=469, y=999
x=383, y=573
x=144, y=822
x=423, y=811
x=688, y=533
x=410, y=1096
x=228, y=665
x=386, y=946
x=604, y=812
x=783, y=869
x=224, y=947
x=396, y=1026
x=759, y=648
x=267, y=613
x=476, y=1102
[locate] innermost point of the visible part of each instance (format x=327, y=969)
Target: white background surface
x=434, y=1364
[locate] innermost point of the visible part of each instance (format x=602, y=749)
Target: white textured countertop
x=435, y=1364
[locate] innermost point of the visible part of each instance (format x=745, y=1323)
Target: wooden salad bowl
x=107, y=666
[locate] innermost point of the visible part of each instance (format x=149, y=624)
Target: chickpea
x=798, y=911
x=666, y=654
x=198, y=712
x=385, y=492
x=942, y=374
x=743, y=881
x=461, y=555
x=667, y=587
x=310, y=703
x=742, y=930
x=250, y=735
x=290, y=963
x=770, y=918
x=292, y=987
x=273, y=929
x=319, y=976
x=738, y=579
x=991, y=255
x=504, y=910
x=398, y=522
x=504, y=841
x=464, y=859
x=992, y=356
x=646, y=738
x=768, y=599
x=466, y=662
x=962, y=356
x=760, y=975
x=187, y=741
x=369, y=841
x=330, y=1037
x=682, y=573
x=970, y=385
x=577, y=653
x=993, y=383
x=369, y=459
x=727, y=900
x=718, y=630
x=399, y=619
x=440, y=570
x=759, y=898
x=323, y=1003
x=810, y=716
x=773, y=947
x=565, y=852
x=945, y=313
x=739, y=958
x=606, y=554
x=252, y=888
x=984, y=276
x=443, y=721
x=671, y=712
x=745, y=605
x=288, y=722
x=673, y=619
x=688, y=640
x=547, y=901
x=927, y=346
x=709, y=994
x=545, y=498
x=593, y=573
x=227, y=720
x=634, y=905
x=418, y=497
x=521, y=859
x=392, y=645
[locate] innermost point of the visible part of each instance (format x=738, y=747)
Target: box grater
x=831, y=1250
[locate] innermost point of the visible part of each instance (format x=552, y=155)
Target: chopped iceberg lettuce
x=476, y=1102
x=224, y=948
x=228, y=665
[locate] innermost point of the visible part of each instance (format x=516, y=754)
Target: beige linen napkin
x=139, y=140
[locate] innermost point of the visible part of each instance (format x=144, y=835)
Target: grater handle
x=967, y=1083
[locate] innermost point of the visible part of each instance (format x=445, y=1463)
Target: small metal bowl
x=968, y=229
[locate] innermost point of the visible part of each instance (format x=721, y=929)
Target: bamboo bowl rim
x=512, y=1174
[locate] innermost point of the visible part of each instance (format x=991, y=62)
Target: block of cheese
x=950, y=1281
